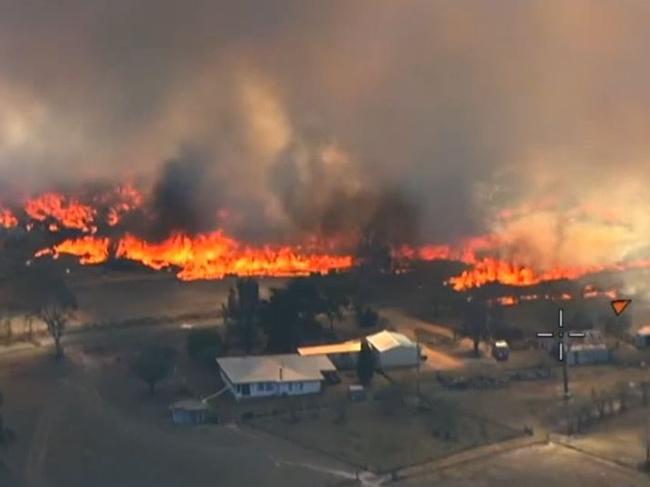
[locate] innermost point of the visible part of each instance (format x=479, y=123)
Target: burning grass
x=111, y=224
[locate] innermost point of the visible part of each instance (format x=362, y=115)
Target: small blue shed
x=189, y=411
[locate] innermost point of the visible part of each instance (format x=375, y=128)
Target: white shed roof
x=644, y=330
x=387, y=340
x=352, y=346
x=269, y=368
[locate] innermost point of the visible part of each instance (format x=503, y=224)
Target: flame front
x=128, y=198
x=68, y=212
x=7, y=218
x=215, y=255
x=89, y=249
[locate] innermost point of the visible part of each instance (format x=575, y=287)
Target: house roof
x=387, y=340
x=275, y=368
x=353, y=346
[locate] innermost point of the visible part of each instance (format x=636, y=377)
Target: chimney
x=280, y=373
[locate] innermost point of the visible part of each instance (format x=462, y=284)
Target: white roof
x=644, y=330
x=269, y=368
x=387, y=340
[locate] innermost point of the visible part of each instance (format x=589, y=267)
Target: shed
x=344, y=355
x=394, y=350
x=588, y=354
x=189, y=411
x=356, y=393
x=501, y=350
x=642, y=337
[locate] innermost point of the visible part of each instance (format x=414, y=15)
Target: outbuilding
x=344, y=355
x=189, y=411
x=588, y=354
x=501, y=350
x=642, y=338
x=394, y=350
x=274, y=375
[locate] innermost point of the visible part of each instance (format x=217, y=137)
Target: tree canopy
x=365, y=364
x=153, y=365
x=476, y=324
x=204, y=345
x=41, y=290
x=241, y=312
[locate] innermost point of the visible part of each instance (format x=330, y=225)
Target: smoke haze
x=525, y=119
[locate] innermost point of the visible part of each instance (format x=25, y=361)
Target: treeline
x=305, y=311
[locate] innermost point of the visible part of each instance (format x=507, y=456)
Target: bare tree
x=41, y=291
x=56, y=314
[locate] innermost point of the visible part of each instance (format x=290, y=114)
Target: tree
x=241, y=312
x=289, y=316
x=475, y=325
x=365, y=364
x=7, y=435
x=56, y=313
x=43, y=292
x=366, y=316
x=334, y=299
x=204, y=345
x=153, y=365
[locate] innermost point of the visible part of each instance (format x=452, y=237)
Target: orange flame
x=7, y=218
x=129, y=198
x=89, y=249
x=68, y=212
x=215, y=255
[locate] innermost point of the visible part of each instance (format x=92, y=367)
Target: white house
x=274, y=375
x=394, y=350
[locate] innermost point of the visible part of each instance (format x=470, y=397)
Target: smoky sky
x=311, y=115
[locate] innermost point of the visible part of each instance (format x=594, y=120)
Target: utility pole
x=562, y=352
x=417, y=377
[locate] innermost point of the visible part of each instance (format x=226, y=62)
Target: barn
x=394, y=350
x=274, y=375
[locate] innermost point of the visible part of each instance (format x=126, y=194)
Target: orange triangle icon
x=619, y=305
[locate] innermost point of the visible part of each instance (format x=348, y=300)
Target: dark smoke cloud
x=307, y=115
x=180, y=198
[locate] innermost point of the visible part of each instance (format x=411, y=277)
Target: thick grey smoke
x=308, y=115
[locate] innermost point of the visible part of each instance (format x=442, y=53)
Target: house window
x=269, y=386
x=291, y=386
x=299, y=386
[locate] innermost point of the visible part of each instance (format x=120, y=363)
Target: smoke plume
x=435, y=120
